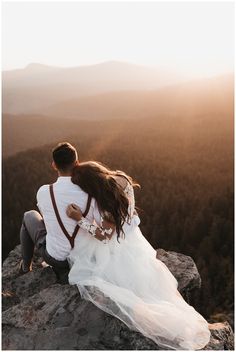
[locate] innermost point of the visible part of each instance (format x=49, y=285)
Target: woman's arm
x=129, y=192
x=101, y=233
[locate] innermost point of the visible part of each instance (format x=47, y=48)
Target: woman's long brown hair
x=98, y=181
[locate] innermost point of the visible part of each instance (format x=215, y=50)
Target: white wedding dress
x=127, y=281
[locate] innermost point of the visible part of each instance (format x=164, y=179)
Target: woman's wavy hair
x=99, y=182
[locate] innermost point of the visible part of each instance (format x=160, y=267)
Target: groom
x=50, y=232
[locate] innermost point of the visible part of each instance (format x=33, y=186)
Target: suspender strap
x=57, y=213
x=87, y=206
x=71, y=239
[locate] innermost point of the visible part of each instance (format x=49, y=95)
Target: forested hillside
x=185, y=168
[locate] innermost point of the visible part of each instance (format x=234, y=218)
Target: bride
x=116, y=268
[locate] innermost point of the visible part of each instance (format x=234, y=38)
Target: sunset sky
x=193, y=37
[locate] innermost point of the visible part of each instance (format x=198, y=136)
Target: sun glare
x=191, y=37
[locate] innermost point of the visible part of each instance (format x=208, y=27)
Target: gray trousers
x=33, y=235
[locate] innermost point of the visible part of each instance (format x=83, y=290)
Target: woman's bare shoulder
x=121, y=180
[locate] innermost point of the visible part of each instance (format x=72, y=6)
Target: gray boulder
x=182, y=267
x=40, y=314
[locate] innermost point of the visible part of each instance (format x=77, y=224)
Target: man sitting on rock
x=50, y=232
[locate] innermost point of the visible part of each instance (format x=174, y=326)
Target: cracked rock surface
x=40, y=314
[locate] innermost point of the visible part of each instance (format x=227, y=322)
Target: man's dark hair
x=64, y=156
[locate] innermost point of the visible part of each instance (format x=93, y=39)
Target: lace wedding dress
x=127, y=281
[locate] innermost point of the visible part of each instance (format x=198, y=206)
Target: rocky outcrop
x=40, y=314
x=222, y=337
x=184, y=269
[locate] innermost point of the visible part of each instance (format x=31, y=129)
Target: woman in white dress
x=115, y=267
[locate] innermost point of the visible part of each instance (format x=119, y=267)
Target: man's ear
x=54, y=166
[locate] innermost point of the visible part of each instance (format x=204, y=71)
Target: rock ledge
x=40, y=314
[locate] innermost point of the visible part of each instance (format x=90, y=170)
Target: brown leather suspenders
x=71, y=239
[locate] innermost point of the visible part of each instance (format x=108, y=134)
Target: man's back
x=65, y=192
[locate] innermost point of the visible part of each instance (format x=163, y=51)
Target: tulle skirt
x=127, y=281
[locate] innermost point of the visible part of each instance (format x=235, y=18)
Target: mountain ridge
x=54, y=98
x=31, y=89
x=195, y=95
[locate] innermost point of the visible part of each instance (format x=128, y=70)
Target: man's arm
x=39, y=198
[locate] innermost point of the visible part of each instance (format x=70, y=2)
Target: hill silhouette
x=198, y=97
x=208, y=101
x=37, y=87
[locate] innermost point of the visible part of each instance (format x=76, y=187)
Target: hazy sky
x=196, y=37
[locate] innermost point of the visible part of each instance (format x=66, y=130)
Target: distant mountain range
x=111, y=91
x=36, y=88
x=41, y=103
x=199, y=98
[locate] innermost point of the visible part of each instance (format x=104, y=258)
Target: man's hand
x=74, y=212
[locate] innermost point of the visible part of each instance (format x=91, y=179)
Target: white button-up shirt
x=65, y=192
